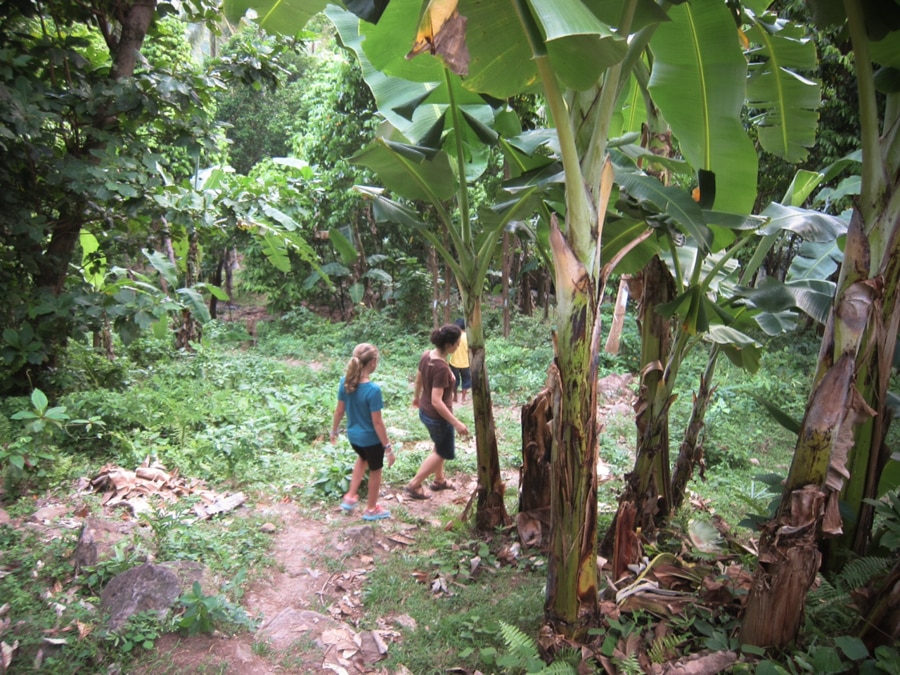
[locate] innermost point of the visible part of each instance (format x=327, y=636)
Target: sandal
x=415, y=493
x=378, y=513
x=442, y=485
x=348, y=504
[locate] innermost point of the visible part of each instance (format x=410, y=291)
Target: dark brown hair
x=445, y=336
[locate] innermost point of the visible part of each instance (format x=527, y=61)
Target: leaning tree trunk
x=690, y=454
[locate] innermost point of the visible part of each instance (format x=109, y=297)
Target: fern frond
x=629, y=665
x=861, y=571
x=558, y=668
x=519, y=642
x=661, y=649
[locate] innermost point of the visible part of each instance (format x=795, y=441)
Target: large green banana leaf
x=409, y=171
x=785, y=100
x=698, y=81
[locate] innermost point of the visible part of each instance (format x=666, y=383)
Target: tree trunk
x=435, y=287
x=690, y=454
x=571, y=604
x=491, y=510
x=880, y=610
x=537, y=441
x=810, y=499
x=507, y=265
x=190, y=330
x=647, y=486
x=788, y=562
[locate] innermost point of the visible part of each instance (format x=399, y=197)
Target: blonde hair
x=363, y=355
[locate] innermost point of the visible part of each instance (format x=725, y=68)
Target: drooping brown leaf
x=442, y=32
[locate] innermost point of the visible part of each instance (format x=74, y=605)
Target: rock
x=143, y=588
x=98, y=540
x=268, y=528
x=48, y=513
x=189, y=571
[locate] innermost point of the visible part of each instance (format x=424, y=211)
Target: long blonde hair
x=363, y=355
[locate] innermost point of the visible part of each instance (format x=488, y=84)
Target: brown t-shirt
x=436, y=374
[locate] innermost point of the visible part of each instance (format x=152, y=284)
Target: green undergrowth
x=253, y=414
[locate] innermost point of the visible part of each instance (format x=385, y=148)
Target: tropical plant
x=583, y=67
x=86, y=134
x=841, y=454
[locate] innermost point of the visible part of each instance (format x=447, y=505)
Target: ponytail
x=363, y=354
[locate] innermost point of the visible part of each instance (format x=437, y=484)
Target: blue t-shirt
x=359, y=406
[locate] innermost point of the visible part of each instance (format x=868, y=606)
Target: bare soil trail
x=309, y=603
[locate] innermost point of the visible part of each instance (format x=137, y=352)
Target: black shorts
x=373, y=455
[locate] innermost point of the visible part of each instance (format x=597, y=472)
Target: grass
x=256, y=419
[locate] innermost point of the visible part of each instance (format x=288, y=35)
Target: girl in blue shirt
x=361, y=399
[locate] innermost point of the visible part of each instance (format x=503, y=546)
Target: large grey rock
x=140, y=589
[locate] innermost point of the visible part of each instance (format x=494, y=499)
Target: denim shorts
x=463, y=378
x=442, y=433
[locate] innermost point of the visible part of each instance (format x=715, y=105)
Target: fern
x=524, y=656
x=861, y=571
x=629, y=665
x=829, y=608
x=662, y=647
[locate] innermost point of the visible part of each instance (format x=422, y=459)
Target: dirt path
x=309, y=602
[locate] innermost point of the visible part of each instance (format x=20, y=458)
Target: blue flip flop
x=378, y=514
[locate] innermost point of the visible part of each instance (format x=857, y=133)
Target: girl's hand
x=462, y=429
x=390, y=460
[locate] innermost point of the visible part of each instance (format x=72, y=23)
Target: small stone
x=754, y=461
x=268, y=528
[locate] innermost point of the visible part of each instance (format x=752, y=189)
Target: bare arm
x=381, y=430
x=437, y=400
x=417, y=390
x=336, y=422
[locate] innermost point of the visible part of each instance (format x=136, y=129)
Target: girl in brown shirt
x=433, y=396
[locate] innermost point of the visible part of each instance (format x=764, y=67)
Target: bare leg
x=374, y=487
x=359, y=470
x=433, y=464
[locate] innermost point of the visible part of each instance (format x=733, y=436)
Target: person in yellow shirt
x=459, y=364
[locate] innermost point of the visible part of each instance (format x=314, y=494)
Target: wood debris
x=132, y=489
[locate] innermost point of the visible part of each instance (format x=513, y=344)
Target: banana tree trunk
x=789, y=554
x=869, y=453
x=571, y=603
x=646, y=493
x=490, y=510
x=690, y=454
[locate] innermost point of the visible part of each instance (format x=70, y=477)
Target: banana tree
x=840, y=454
x=580, y=64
